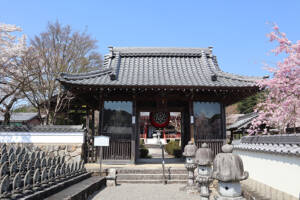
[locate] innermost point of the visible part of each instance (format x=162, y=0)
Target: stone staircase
x=153, y=176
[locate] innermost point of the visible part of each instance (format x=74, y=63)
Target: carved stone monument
x=229, y=171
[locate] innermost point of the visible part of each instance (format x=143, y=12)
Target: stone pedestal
x=111, y=178
x=204, y=179
x=229, y=191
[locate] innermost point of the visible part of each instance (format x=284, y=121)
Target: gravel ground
x=144, y=192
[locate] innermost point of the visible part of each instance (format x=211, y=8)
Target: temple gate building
x=138, y=88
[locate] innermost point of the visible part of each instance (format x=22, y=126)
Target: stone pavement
x=144, y=192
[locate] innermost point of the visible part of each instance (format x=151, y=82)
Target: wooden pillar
x=93, y=123
x=223, y=120
x=134, y=130
x=87, y=120
x=100, y=123
x=101, y=105
x=92, y=150
x=87, y=136
x=191, y=117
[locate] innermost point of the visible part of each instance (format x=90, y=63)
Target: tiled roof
x=41, y=129
x=138, y=66
x=281, y=144
x=20, y=117
x=243, y=121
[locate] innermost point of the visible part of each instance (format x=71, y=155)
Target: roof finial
x=210, y=49
x=110, y=48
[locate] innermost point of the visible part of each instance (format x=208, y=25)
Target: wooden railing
x=214, y=144
x=118, y=149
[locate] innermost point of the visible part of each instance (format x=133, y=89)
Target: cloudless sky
x=236, y=29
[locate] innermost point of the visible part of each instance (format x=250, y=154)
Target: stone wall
x=72, y=152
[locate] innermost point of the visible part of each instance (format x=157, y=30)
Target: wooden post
x=87, y=137
x=223, y=120
x=87, y=120
x=100, y=123
x=92, y=151
x=134, y=129
x=191, y=114
x=93, y=123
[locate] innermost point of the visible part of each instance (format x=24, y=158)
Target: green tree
x=248, y=105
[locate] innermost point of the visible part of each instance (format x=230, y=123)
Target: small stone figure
x=229, y=171
x=44, y=178
x=190, y=165
x=17, y=184
x=27, y=189
x=37, y=180
x=4, y=158
x=204, y=159
x=4, y=170
x=51, y=176
x=4, y=188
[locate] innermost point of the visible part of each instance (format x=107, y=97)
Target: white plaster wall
x=42, y=138
x=281, y=172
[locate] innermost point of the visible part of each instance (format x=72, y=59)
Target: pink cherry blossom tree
x=281, y=108
x=11, y=72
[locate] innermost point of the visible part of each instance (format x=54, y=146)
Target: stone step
x=151, y=176
x=152, y=171
x=151, y=181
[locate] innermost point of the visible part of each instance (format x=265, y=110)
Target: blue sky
x=236, y=29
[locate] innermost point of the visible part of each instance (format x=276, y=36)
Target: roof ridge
x=159, y=51
x=232, y=76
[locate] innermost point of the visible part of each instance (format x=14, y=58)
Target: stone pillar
x=204, y=159
x=190, y=165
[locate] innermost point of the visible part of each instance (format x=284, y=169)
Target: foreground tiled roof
x=41, y=129
x=280, y=144
x=137, y=66
x=20, y=117
x=243, y=121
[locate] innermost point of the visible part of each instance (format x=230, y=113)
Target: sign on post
x=101, y=141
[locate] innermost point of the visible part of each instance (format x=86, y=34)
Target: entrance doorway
x=157, y=128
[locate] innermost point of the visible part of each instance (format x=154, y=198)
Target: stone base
x=218, y=197
x=110, y=182
x=190, y=189
x=253, y=188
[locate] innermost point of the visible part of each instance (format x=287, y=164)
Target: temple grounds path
x=144, y=192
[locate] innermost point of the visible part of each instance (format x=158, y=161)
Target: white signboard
x=101, y=141
x=192, y=119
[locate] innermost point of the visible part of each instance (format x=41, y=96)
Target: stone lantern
x=229, y=171
x=204, y=159
x=190, y=165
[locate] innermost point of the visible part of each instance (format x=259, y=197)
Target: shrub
x=173, y=148
x=144, y=151
x=177, y=153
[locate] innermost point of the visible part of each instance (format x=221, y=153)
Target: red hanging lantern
x=159, y=119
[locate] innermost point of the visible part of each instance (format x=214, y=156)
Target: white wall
x=42, y=138
x=281, y=172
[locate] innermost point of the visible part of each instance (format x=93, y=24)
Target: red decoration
x=159, y=119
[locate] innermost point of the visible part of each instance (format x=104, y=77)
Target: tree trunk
x=6, y=118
